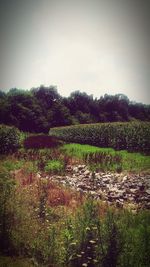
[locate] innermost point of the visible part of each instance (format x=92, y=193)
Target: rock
x=83, y=186
x=119, y=203
x=86, y=172
x=124, y=178
x=69, y=168
x=141, y=186
x=106, y=180
x=93, y=193
x=134, y=190
x=147, y=191
x=75, y=169
x=97, y=176
x=113, y=187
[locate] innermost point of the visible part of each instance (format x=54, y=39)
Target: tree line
x=39, y=109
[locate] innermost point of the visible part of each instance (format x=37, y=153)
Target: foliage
x=131, y=136
x=9, y=139
x=40, y=141
x=40, y=108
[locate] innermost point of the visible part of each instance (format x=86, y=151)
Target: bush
x=131, y=136
x=9, y=139
x=41, y=141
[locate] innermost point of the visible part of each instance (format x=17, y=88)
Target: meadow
x=45, y=224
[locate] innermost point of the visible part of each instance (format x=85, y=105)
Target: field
x=46, y=223
x=130, y=136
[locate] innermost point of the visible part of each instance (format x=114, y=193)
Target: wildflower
x=79, y=256
x=84, y=265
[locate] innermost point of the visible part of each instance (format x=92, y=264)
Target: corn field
x=131, y=136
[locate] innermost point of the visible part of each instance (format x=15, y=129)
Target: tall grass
x=107, y=158
x=38, y=222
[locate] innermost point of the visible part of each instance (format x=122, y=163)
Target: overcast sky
x=96, y=46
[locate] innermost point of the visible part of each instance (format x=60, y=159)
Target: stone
x=118, y=189
x=119, y=203
x=87, y=172
x=106, y=180
x=93, y=193
x=75, y=169
x=141, y=186
x=124, y=178
x=147, y=191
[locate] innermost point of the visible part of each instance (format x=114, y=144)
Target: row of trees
x=41, y=108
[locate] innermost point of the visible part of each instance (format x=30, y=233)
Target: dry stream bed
x=122, y=189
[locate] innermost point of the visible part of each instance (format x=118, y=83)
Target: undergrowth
x=68, y=230
x=51, y=226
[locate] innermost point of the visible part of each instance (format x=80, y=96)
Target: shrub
x=9, y=139
x=41, y=141
x=131, y=136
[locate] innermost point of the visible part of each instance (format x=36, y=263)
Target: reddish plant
x=41, y=141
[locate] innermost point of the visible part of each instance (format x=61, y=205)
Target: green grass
x=12, y=165
x=107, y=158
x=55, y=160
x=54, y=166
x=77, y=150
x=14, y=262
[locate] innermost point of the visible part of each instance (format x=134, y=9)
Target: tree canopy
x=40, y=108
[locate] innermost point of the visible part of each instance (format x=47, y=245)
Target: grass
x=54, y=161
x=54, y=166
x=58, y=227
x=15, y=262
x=107, y=158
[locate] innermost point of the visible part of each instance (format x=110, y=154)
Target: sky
x=95, y=46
